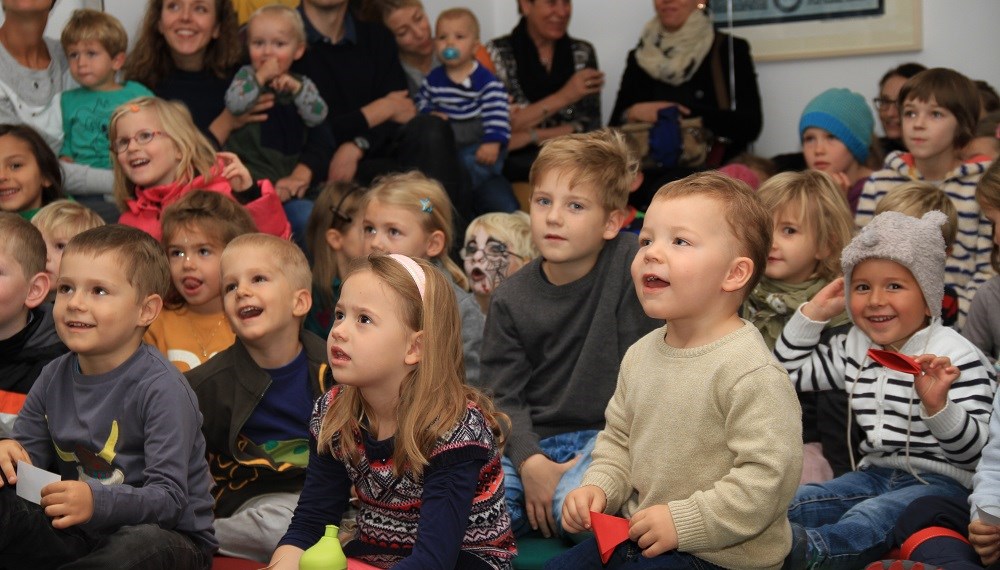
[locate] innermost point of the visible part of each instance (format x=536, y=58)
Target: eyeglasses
x=493, y=250
x=141, y=138
x=882, y=103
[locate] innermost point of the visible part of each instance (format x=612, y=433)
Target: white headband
x=415, y=271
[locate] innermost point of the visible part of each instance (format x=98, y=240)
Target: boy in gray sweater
x=557, y=330
x=116, y=420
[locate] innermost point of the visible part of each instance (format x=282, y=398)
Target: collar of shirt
x=314, y=36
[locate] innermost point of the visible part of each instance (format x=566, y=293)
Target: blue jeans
x=850, y=520
x=479, y=173
x=628, y=555
x=559, y=448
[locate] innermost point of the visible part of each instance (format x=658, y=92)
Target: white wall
x=955, y=34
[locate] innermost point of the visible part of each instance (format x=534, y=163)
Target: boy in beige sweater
x=702, y=449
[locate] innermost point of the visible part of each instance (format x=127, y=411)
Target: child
x=916, y=198
x=192, y=327
x=983, y=326
x=28, y=338
x=420, y=446
x=30, y=176
x=923, y=432
x=986, y=139
x=465, y=92
x=558, y=328
x=701, y=400
x=504, y=242
x=161, y=156
x=95, y=44
x=59, y=222
x=939, y=109
x=335, y=239
x=410, y=214
x=116, y=419
x=256, y=396
x=836, y=130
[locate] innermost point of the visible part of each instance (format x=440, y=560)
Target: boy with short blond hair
x=257, y=395
x=59, y=221
x=28, y=338
x=95, y=44
x=117, y=420
x=557, y=329
x=700, y=400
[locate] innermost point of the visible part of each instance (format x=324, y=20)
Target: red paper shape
x=895, y=361
x=610, y=532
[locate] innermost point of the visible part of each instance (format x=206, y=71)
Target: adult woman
x=888, y=107
x=552, y=79
x=33, y=71
x=681, y=61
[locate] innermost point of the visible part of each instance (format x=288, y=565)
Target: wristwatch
x=362, y=143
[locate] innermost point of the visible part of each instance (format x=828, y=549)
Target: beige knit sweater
x=713, y=432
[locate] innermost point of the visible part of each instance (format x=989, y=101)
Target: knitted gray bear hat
x=916, y=244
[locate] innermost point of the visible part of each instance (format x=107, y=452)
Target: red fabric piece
x=610, y=531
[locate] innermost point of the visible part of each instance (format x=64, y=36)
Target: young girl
x=496, y=246
x=192, y=327
x=161, y=156
x=812, y=223
x=983, y=326
x=334, y=238
x=419, y=445
x=410, y=214
x=29, y=171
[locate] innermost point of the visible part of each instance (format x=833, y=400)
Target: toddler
x=59, y=222
x=496, y=246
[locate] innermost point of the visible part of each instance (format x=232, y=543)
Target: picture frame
x=898, y=29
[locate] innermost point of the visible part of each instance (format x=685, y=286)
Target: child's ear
x=415, y=349
x=299, y=52
x=118, y=61
x=149, y=309
x=613, y=224
x=334, y=239
x=738, y=275
x=435, y=244
x=302, y=301
x=38, y=289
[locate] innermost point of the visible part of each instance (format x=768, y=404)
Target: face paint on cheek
x=496, y=270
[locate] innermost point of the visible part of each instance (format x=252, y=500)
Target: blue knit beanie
x=845, y=115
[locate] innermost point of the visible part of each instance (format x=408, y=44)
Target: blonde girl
x=410, y=214
x=419, y=445
x=334, y=237
x=192, y=327
x=496, y=246
x=158, y=155
x=983, y=324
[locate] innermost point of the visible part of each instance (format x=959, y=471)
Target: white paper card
x=31, y=479
x=989, y=514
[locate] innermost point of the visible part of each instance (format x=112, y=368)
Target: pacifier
x=450, y=53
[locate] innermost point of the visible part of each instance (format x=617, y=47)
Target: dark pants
x=628, y=556
x=27, y=540
x=951, y=513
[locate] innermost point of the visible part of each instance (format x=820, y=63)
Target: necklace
x=197, y=336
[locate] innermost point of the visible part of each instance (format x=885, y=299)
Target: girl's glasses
x=493, y=250
x=141, y=138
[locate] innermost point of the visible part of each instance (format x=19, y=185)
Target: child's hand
x=540, y=476
x=268, y=71
x=235, y=172
x=936, y=377
x=827, y=303
x=285, y=83
x=440, y=115
x=69, y=503
x=487, y=153
x=10, y=453
x=653, y=530
x=985, y=538
x=578, y=504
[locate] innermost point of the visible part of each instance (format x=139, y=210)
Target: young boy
x=700, y=400
x=923, y=432
x=939, y=109
x=28, y=338
x=95, y=44
x=118, y=422
x=59, y=222
x=468, y=95
x=557, y=329
x=257, y=395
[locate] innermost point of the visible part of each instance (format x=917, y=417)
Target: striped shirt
x=480, y=96
x=885, y=403
x=968, y=264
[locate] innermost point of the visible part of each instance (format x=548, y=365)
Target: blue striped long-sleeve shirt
x=481, y=96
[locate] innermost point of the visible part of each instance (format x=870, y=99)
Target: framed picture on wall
x=805, y=29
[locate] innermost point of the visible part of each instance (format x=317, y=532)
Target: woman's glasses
x=883, y=103
x=141, y=138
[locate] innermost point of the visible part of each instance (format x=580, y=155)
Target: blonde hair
x=513, y=229
x=406, y=191
x=337, y=207
x=458, y=14
x=138, y=253
x=283, y=254
x=22, y=241
x=197, y=154
x=434, y=397
x=92, y=25
x=988, y=196
x=915, y=198
x=822, y=210
x=599, y=159
x=66, y=218
x=291, y=15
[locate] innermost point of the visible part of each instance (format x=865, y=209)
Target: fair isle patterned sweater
x=968, y=266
